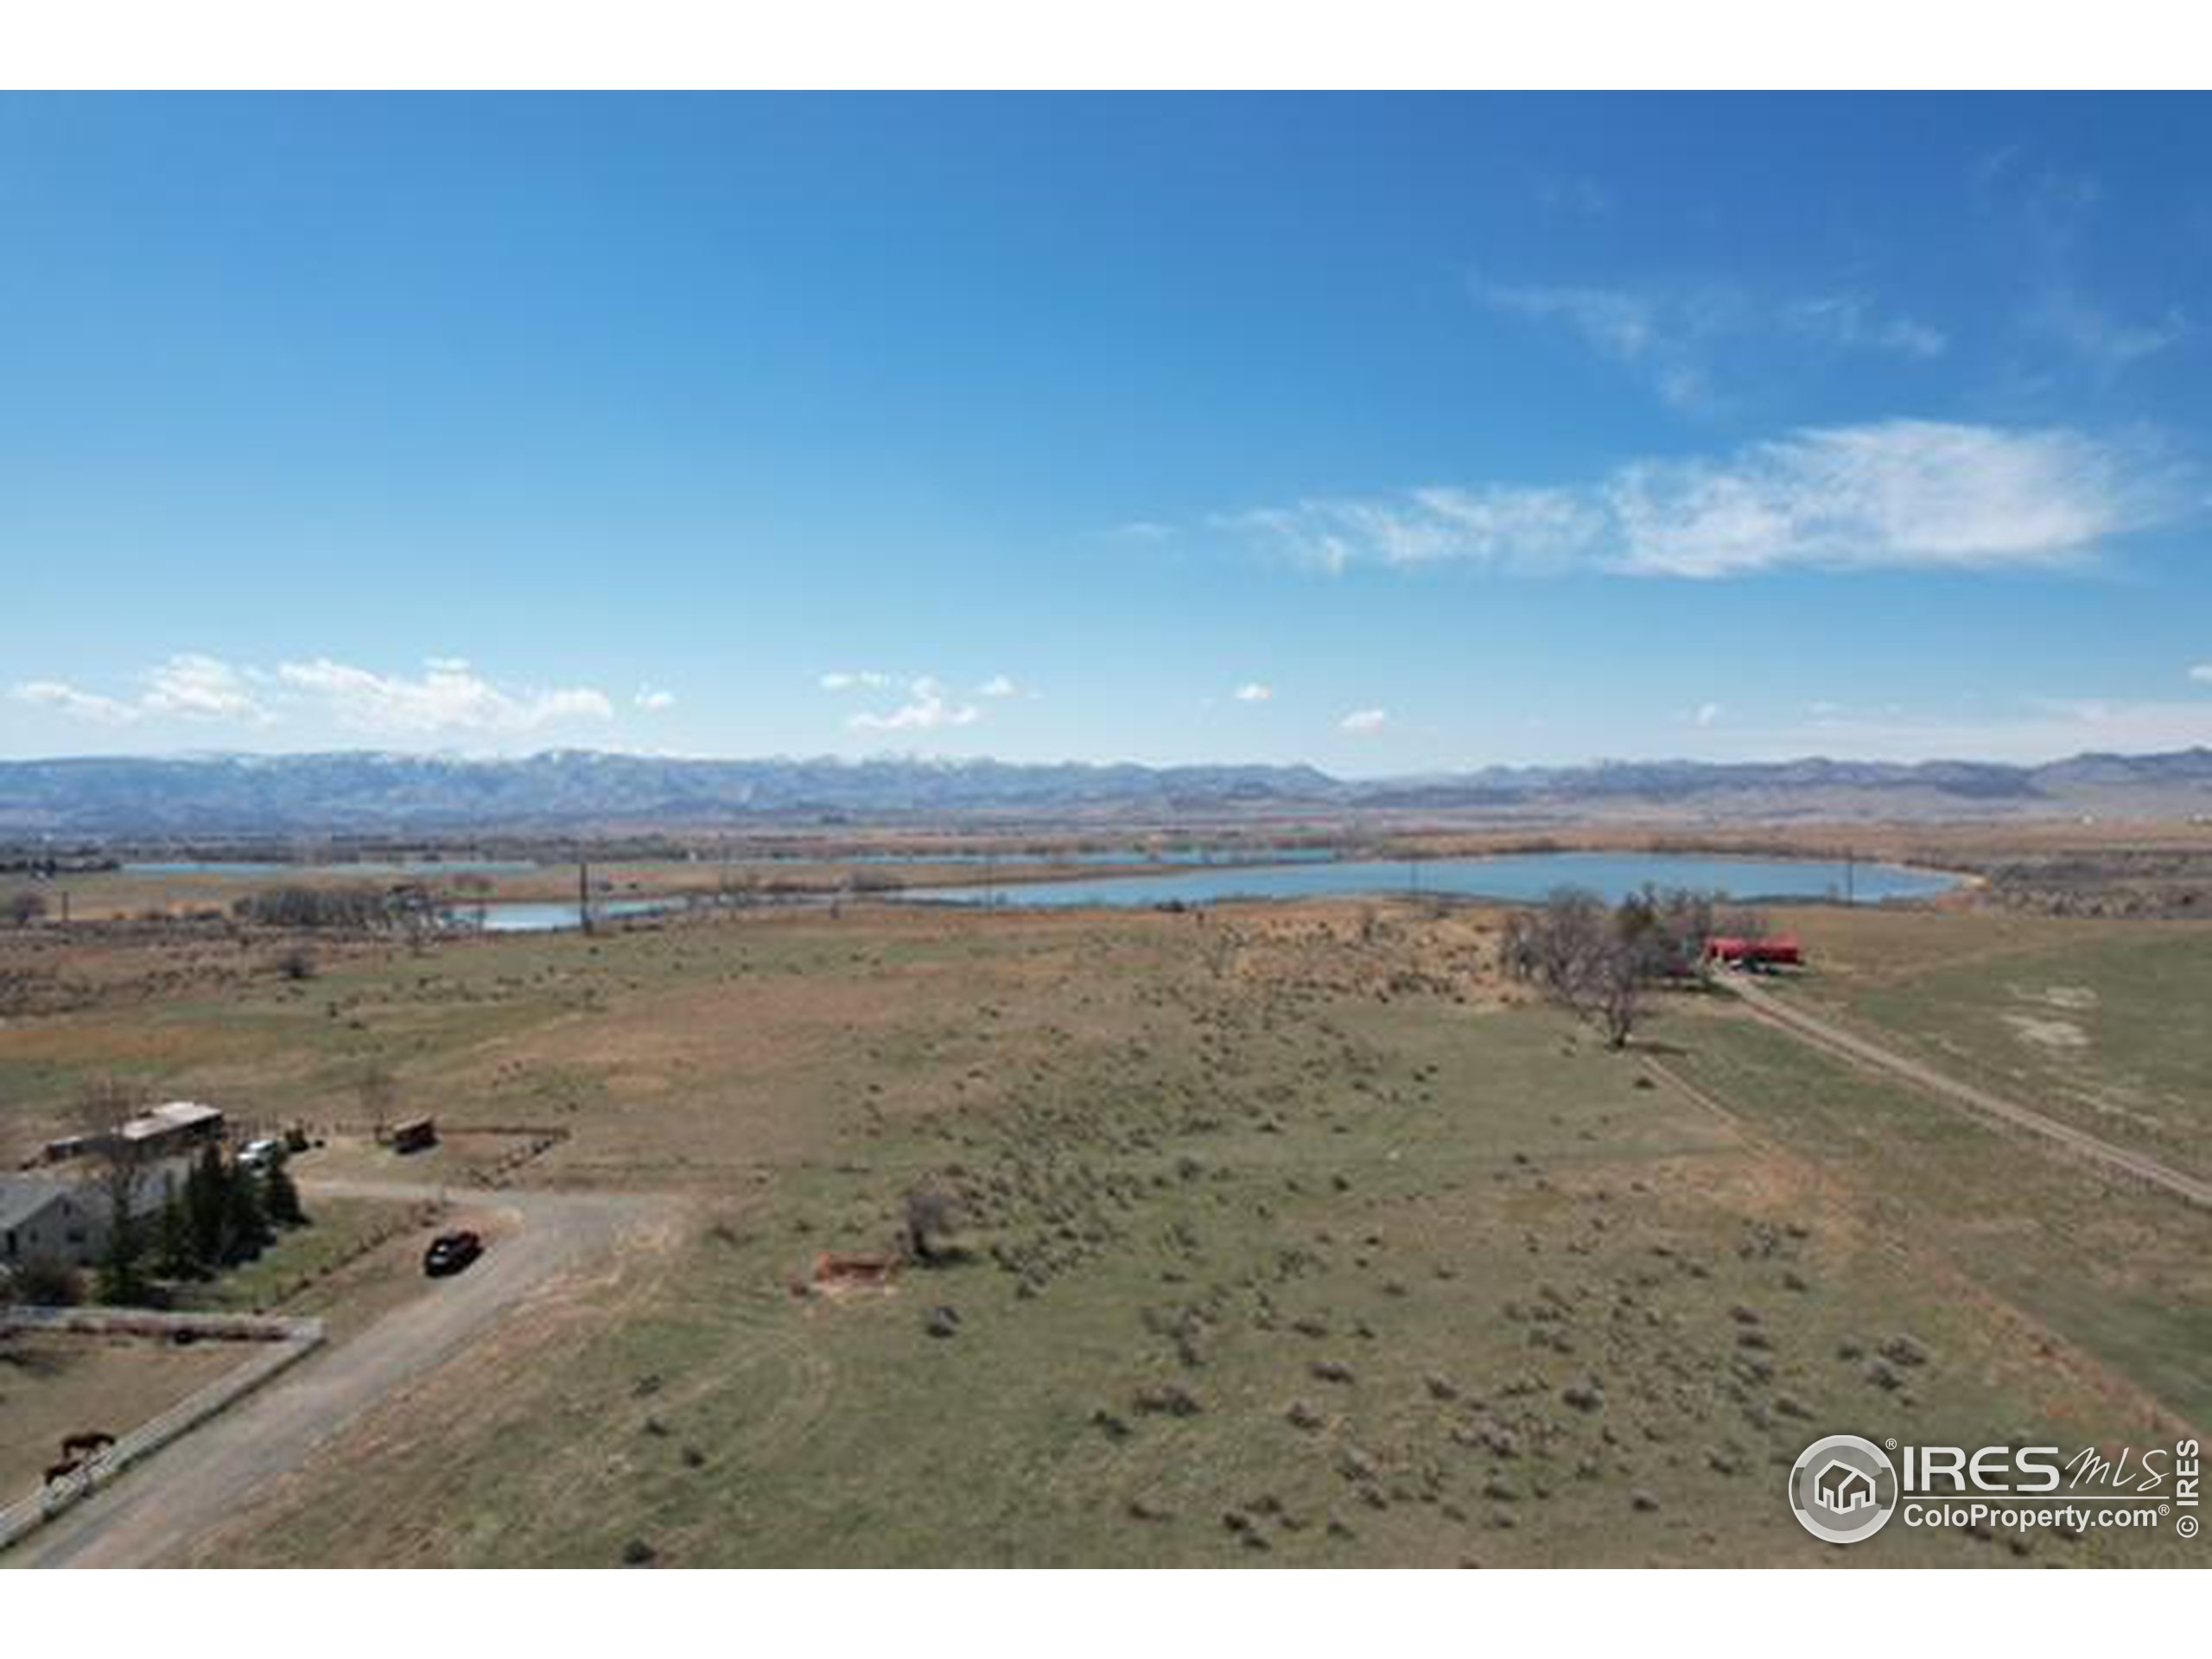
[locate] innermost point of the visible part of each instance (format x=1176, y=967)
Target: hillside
x=372, y=791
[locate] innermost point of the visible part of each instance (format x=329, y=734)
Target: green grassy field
x=1287, y=1243
x=1292, y=1235
x=2100, y=1024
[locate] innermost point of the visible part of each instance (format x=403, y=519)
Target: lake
x=518, y=916
x=1512, y=877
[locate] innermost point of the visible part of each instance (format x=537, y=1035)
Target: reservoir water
x=1524, y=876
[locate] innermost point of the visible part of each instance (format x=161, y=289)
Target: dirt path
x=1823, y=1033
x=190, y=1488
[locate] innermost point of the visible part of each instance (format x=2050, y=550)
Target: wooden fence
x=280, y=1343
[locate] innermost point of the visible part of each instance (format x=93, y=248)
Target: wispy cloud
x=654, y=699
x=2202, y=673
x=1253, y=691
x=448, y=697
x=78, y=704
x=1670, y=336
x=1572, y=195
x=1852, y=323
x=1909, y=494
x=926, y=709
x=2053, y=211
x=1706, y=714
x=1362, y=722
x=2106, y=343
x=864, y=679
x=999, y=685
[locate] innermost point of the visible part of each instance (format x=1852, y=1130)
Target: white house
x=41, y=1217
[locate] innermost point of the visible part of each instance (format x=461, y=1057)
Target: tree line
x=222, y=1214
x=356, y=909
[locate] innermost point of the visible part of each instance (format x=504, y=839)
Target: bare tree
x=380, y=1093
x=24, y=905
x=1570, y=945
x=1616, y=992
x=1601, y=963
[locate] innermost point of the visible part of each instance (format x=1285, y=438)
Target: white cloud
x=1706, y=714
x=443, y=699
x=1253, y=691
x=1912, y=494
x=926, y=709
x=1670, y=335
x=200, y=687
x=2202, y=673
x=189, y=685
x=654, y=699
x=856, y=680
x=448, y=696
x=1362, y=722
x=78, y=705
x=998, y=686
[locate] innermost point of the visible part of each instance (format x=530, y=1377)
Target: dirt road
x=1823, y=1034
x=195, y=1485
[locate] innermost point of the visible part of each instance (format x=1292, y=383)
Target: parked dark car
x=450, y=1252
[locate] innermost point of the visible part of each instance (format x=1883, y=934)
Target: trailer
x=1782, y=950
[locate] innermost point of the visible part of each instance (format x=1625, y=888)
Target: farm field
x=2091, y=1021
x=1291, y=1234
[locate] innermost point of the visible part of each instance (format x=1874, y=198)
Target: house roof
x=168, y=1118
x=24, y=1198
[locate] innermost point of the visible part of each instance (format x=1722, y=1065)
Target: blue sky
x=1392, y=434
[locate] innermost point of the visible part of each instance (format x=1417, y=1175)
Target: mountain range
x=374, y=792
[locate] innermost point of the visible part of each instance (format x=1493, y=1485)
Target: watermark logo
x=1843, y=1489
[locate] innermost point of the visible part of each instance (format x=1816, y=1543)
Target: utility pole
x=583, y=894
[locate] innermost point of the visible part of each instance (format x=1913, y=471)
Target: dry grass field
x=57, y=1384
x=1289, y=1235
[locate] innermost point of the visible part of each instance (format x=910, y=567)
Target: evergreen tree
x=248, y=1230
x=281, y=1197
x=123, y=1268
x=177, y=1254
x=206, y=1207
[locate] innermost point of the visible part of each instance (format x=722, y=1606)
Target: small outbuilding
x=161, y=1131
x=1780, y=950
x=412, y=1135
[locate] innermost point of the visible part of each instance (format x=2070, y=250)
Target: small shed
x=412, y=1135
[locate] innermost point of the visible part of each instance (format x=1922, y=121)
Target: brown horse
x=63, y=1470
